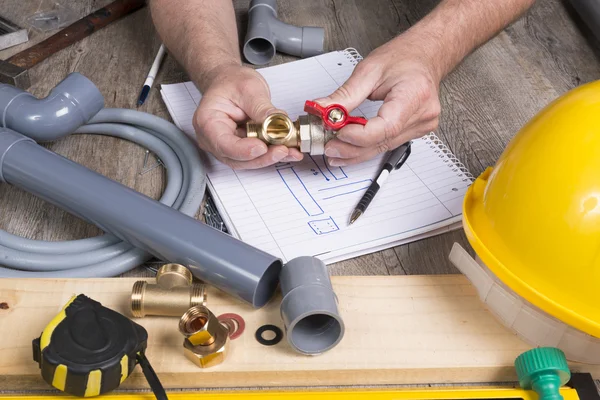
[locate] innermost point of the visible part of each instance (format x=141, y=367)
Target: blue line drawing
x=342, y=190
x=319, y=168
x=347, y=184
x=323, y=226
x=336, y=170
x=291, y=179
x=282, y=164
x=345, y=193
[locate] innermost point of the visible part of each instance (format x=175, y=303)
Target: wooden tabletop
x=485, y=100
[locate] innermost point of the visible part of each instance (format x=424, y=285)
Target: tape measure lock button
x=88, y=349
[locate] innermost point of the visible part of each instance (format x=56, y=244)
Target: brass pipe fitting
x=206, y=339
x=306, y=134
x=171, y=295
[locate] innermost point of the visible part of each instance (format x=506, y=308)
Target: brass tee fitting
x=206, y=340
x=171, y=295
x=307, y=133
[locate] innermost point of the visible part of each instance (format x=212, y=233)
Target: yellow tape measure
x=88, y=350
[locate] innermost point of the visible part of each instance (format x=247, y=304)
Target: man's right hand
x=236, y=94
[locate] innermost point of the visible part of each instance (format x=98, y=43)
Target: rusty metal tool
x=14, y=70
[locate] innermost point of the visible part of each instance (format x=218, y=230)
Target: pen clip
x=334, y=116
x=404, y=156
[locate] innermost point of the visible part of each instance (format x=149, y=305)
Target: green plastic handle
x=543, y=370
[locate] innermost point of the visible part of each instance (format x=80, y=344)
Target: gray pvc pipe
x=215, y=257
x=137, y=226
x=266, y=34
x=309, y=307
x=68, y=106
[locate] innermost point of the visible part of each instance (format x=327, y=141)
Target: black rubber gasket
x=265, y=328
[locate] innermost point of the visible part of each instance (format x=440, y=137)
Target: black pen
x=396, y=159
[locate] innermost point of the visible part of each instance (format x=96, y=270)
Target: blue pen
x=151, y=75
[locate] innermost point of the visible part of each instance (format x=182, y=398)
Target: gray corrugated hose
x=107, y=255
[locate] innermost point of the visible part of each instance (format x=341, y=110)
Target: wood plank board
x=399, y=330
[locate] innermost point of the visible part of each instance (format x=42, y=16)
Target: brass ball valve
x=309, y=133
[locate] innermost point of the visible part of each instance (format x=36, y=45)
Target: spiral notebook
x=295, y=209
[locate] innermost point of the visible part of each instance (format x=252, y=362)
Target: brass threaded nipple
x=177, y=269
x=253, y=129
x=198, y=295
x=137, y=299
x=193, y=320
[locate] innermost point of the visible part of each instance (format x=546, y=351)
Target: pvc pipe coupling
x=309, y=307
x=266, y=34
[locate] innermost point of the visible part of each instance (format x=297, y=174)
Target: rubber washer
x=266, y=328
x=239, y=321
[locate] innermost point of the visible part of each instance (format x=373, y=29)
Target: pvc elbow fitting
x=266, y=34
x=73, y=102
x=309, y=309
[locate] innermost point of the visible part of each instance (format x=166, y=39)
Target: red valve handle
x=312, y=107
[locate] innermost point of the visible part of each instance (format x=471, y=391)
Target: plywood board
x=399, y=330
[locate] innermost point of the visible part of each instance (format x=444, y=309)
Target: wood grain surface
x=484, y=101
x=398, y=330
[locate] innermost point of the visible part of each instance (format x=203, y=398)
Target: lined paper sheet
x=294, y=209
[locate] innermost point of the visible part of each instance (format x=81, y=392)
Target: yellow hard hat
x=534, y=218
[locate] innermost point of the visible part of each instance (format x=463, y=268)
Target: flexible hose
x=106, y=255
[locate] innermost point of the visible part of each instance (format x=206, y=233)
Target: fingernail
x=289, y=159
x=257, y=151
x=336, y=162
x=278, y=155
x=332, y=152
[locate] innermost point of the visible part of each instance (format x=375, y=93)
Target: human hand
x=401, y=75
x=234, y=95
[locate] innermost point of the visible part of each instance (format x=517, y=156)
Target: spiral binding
x=353, y=55
x=444, y=153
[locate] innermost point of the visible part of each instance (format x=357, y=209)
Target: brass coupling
x=307, y=133
x=206, y=340
x=172, y=294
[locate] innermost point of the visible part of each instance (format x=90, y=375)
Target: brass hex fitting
x=206, y=339
x=171, y=295
x=306, y=134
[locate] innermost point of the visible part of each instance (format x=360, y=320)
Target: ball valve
x=309, y=133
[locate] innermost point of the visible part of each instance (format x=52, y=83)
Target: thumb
x=258, y=106
x=352, y=93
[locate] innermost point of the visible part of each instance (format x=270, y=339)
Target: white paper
x=294, y=209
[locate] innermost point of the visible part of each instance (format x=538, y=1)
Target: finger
x=239, y=149
x=336, y=148
x=354, y=91
x=218, y=135
x=257, y=105
x=212, y=125
x=293, y=155
x=393, y=117
x=363, y=154
x=274, y=155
